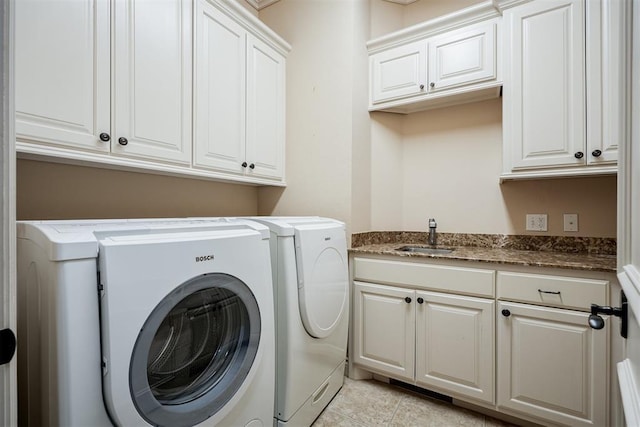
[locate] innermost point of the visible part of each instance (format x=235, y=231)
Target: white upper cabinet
x=111, y=83
x=450, y=60
x=399, y=73
x=463, y=56
x=62, y=73
x=239, y=96
x=152, y=79
x=564, y=92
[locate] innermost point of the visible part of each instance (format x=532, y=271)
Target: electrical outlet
x=570, y=222
x=536, y=222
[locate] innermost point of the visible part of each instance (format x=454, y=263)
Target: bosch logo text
x=204, y=258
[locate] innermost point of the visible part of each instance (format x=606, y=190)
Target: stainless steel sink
x=425, y=250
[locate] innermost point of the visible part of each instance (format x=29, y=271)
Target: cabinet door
x=455, y=344
x=220, y=64
x=265, y=110
x=384, y=329
x=552, y=365
x=62, y=72
x=544, y=95
x=400, y=72
x=463, y=56
x=152, y=80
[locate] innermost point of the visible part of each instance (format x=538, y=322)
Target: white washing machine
x=145, y=322
x=309, y=262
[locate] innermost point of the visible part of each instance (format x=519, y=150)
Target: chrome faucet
x=433, y=238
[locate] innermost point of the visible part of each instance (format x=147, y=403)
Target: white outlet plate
x=570, y=222
x=536, y=222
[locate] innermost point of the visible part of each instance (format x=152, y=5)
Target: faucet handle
x=432, y=223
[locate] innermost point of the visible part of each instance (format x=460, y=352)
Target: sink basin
x=425, y=250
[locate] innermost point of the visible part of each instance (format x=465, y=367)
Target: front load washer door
x=323, y=283
x=194, y=350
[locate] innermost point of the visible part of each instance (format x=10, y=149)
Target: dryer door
x=195, y=350
x=323, y=282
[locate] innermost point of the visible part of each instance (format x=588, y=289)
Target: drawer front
x=466, y=281
x=558, y=291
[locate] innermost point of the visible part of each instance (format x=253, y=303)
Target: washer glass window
x=195, y=350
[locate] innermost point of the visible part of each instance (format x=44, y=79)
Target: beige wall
x=55, y=191
x=327, y=124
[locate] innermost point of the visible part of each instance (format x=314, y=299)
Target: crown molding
x=402, y=1
x=261, y=4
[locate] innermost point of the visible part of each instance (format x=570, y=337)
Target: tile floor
x=367, y=403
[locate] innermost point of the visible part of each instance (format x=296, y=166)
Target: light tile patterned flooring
x=365, y=403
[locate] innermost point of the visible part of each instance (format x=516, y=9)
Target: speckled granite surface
x=578, y=253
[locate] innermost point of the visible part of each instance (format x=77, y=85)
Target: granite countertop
x=590, y=254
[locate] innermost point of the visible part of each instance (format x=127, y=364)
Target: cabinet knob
x=421, y=87
x=596, y=153
x=104, y=137
x=420, y=300
x=579, y=155
x=244, y=164
x=123, y=141
x=506, y=313
x=407, y=300
x=432, y=84
x=252, y=166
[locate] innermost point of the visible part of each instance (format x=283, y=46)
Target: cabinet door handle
x=244, y=164
x=407, y=300
x=549, y=292
x=579, y=155
x=420, y=300
x=432, y=84
x=104, y=137
x=506, y=313
x=252, y=166
x=421, y=87
x=596, y=153
x=123, y=141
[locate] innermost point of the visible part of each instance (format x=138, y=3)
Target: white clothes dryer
x=145, y=322
x=310, y=275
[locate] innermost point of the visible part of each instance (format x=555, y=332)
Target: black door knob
x=244, y=164
x=104, y=137
x=123, y=141
x=7, y=346
x=596, y=153
x=579, y=155
x=420, y=300
x=252, y=166
x=506, y=313
x=407, y=300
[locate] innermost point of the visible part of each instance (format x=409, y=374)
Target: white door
x=544, y=114
x=265, y=110
x=629, y=238
x=8, y=387
x=454, y=344
x=219, y=94
x=399, y=72
x=152, y=79
x=384, y=329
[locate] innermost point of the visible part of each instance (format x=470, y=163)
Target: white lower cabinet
x=552, y=365
x=435, y=340
x=518, y=341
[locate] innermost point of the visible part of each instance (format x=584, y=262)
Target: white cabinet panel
x=545, y=105
x=384, y=325
x=152, y=80
x=455, y=345
x=62, y=72
x=463, y=56
x=552, y=365
x=399, y=72
x=265, y=110
x=220, y=65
